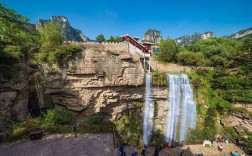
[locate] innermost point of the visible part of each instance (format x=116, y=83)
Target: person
x=236, y=154
x=169, y=144
x=173, y=144
x=243, y=154
x=181, y=153
x=156, y=152
x=134, y=154
x=122, y=150
x=220, y=148
x=74, y=128
x=143, y=151
x=218, y=140
x=227, y=140
x=161, y=147
x=237, y=141
x=212, y=140
x=182, y=143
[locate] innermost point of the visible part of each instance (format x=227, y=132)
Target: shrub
x=210, y=128
x=159, y=78
x=195, y=136
x=20, y=130
x=190, y=58
x=58, y=117
x=59, y=55
x=129, y=129
x=96, y=124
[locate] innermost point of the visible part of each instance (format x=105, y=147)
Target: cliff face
x=95, y=81
x=187, y=39
x=70, y=33
x=153, y=36
x=14, y=94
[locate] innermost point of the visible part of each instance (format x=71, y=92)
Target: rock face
x=14, y=97
x=187, y=39
x=70, y=33
x=241, y=34
x=95, y=81
x=101, y=81
x=238, y=120
x=153, y=36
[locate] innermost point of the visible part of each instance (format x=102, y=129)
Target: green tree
x=118, y=39
x=17, y=36
x=191, y=58
x=168, y=50
x=111, y=39
x=100, y=38
x=15, y=30
x=210, y=122
x=247, y=45
x=50, y=35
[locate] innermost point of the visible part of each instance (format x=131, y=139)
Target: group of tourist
x=142, y=150
x=220, y=148
x=172, y=144
x=123, y=151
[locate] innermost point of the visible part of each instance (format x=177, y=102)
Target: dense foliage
x=50, y=35
x=129, y=128
x=168, y=50
x=100, y=38
x=159, y=79
x=114, y=39
x=58, y=117
x=17, y=37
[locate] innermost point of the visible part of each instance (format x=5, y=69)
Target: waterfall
x=182, y=108
x=148, y=111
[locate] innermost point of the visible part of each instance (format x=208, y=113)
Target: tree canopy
x=168, y=50
x=15, y=29
x=50, y=35
x=100, y=38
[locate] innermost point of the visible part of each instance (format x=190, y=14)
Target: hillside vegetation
x=221, y=77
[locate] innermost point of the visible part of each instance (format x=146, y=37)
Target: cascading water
x=172, y=117
x=148, y=111
x=182, y=108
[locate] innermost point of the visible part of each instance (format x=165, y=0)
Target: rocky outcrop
x=70, y=33
x=95, y=81
x=187, y=39
x=241, y=34
x=238, y=120
x=14, y=94
x=153, y=36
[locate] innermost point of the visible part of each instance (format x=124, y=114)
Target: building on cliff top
x=143, y=50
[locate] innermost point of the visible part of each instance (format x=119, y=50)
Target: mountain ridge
x=70, y=33
x=195, y=37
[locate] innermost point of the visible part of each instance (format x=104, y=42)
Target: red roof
x=135, y=43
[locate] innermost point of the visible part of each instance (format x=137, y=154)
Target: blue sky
x=174, y=18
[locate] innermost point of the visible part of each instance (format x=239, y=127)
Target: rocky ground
x=97, y=145
x=62, y=145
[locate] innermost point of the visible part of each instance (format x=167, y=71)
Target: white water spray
x=182, y=108
x=148, y=111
